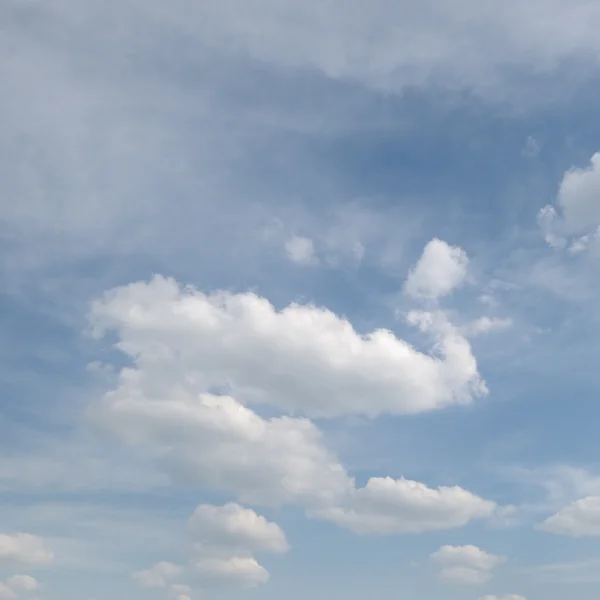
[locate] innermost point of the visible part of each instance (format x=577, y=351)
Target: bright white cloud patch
x=467, y=556
x=157, y=576
x=182, y=342
x=301, y=250
x=466, y=564
x=579, y=197
x=203, y=437
x=441, y=269
x=576, y=215
x=301, y=359
x=24, y=548
x=579, y=519
x=235, y=526
x=244, y=572
x=391, y=506
x=226, y=538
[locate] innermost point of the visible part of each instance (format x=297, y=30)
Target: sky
x=299, y=299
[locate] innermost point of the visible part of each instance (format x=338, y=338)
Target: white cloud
x=23, y=582
x=301, y=250
x=576, y=215
x=485, y=324
x=237, y=571
x=301, y=359
x=467, y=556
x=24, y=548
x=202, y=437
x=226, y=538
x=579, y=196
x=157, y=576
x=441, y=269
x=179, y=339
x=390, y=506
x=579, y=519
x=235, y=526
x=466, y=564
x=531, y=148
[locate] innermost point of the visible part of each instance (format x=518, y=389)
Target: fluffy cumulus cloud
x=234, y=526
x=466, y=564
x=389, y=506
x=23, y=582
x=301, y=250
x=301, y=359
x=581, y=518
x=575, y=220
x=157, y=576
x=24, y=548
x=18, y=584
x=238, y=571
x=225, y=539
x=183, y=342
x=440, y=270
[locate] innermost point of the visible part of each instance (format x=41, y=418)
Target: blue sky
x=299, y=298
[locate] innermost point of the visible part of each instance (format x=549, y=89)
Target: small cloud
x=486, y=325
x=301, y=250
x=440, y=270
x=468, y=565
x=531, y=148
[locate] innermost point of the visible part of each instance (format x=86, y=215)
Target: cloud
x=24, y=548
x=531, y=148
x=183, y=342
x=581, y=518
x=576, y=215
x=234, y=526
x=390, y=506
x=157, y=576
x=440, y=270
x=394, y=45
x=6, y=593
x=301, y=250
x=23, y=582
x=202, y=438
x=466, y=564
x=467, y=556
x=226, y=537
x=301, y=359
x=484, y=325
x=244, y=572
